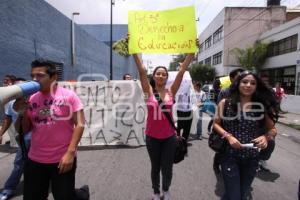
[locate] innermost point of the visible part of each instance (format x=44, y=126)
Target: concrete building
x=33, y=28
x=283, y=62
x=236, y=27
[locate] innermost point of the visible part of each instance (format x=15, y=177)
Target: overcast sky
x=98, y=12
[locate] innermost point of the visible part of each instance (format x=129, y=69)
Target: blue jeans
x=199, y=124
x=238, y=175
x=16, y=174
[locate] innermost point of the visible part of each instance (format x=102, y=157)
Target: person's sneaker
x=156, y=197
x=262, y=166
x=6, y=194
x=82, y=193
x=166, y=195
x=199, y=137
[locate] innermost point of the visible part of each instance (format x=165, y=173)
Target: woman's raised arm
x=176, y=84
x=143, y=75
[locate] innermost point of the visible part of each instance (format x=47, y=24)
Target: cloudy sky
x=98, y=12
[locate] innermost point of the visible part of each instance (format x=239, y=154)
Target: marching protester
x=184, y=113
x=127, y=77
x=248, y=115
x=213, y=97
x=200, y=97
x=279, y=92
x=55, y=117
x=224, y=93
x=8, y=80
x=160, y=134
x=21, y=154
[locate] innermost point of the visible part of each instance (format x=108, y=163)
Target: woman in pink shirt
x=160, y=135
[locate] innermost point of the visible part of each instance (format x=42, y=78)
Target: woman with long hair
x=247, y=116
x=160, y=134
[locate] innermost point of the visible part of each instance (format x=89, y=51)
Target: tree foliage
x=252, y=58
x=198, y=72
x=202, y=73
x=176, y=62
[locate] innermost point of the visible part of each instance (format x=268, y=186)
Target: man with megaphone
x=23, y=145
x=55, y=117
x=8, y=80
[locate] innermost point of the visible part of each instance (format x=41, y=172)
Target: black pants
x=209, y=127
x=161, y=153
x=184, y=123
x=217, y=160
x=38, y=176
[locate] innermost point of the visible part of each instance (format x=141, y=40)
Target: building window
x=285, y=76
x=217, y=58
x=218, y=35
x=60, y=71
x=283, y=46
x=207, y=61
x=201, y=47
x=208, y=42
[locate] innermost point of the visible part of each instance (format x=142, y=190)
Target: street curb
x=288, y=124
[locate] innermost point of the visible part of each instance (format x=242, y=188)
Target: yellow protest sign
x=225, y=82
x=168, y=31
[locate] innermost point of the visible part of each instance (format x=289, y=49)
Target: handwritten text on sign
x=114, y=111
x=170, y=31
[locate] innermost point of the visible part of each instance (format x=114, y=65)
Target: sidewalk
x=290, y=119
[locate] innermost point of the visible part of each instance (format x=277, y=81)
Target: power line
x=251, y=19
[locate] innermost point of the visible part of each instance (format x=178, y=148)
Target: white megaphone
x=9, y=93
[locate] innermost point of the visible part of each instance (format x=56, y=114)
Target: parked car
x=207, y=88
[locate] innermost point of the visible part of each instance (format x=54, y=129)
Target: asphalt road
x=124, y=173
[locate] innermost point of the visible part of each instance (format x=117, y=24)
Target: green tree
x=176, y=62
x=252, y=58
x=202, y=73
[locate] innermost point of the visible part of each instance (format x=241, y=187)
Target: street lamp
x=73, y=38
x=112, y=2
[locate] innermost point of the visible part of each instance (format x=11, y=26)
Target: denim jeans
x=238, y=175
x=199, y=124
x=161, y=153
x=16, y=174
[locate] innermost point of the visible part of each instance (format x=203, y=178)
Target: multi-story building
x=236, y=27
x=283, y=62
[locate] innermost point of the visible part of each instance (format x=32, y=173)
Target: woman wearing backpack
x=160, y=134
x=251, y=113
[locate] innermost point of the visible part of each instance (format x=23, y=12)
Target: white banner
x=115, y=112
